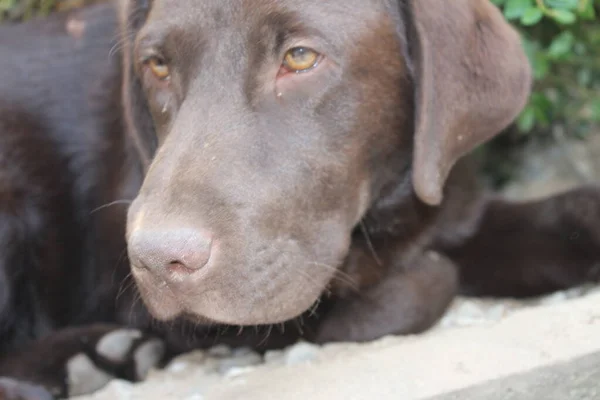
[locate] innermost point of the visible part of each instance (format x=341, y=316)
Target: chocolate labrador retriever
x=262, y=163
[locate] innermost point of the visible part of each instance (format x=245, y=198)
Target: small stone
x=247, y=360
x=193, y=358
x=238, y=371
x=275, y=357
x=497, y=312
x=242, y=352
x=178, y=367
x=220, y=351
x=122, y=389
x=301, y=353
x=556, y=298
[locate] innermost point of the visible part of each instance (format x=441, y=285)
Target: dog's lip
x=158, y=296
x=166, y=299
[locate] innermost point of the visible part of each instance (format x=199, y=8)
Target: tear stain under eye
x=166, y=106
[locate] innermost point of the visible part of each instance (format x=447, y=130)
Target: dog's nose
x=166, y=251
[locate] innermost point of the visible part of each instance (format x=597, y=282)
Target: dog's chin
x=165, y=306
x=267, y=314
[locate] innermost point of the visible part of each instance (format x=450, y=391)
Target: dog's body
x=329, y=208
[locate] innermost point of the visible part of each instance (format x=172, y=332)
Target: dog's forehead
x=213, y=15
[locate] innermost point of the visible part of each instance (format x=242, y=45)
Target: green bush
x=562, y=40
x=19, y=10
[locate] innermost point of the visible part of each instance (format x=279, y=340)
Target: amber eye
x=301, y=59
x=159, y=68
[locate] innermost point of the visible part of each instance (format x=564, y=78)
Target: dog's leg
x=529, y=248
x=78, y=361
x=410, y=299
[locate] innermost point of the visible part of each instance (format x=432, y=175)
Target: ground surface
x=483, y=350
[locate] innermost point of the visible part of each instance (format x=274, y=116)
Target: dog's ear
x=138, y=119
x=472, y=78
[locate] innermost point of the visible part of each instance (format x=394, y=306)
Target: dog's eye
x=159, y=68
x=301, y=59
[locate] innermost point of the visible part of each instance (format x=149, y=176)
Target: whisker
x=121, y=39
x=125, y=285
x=298, y=326
x=266, y=338
x=313, y=310
x=340, y=276
x=365, y=232
x=195, y=327
x=117, y=47
x=116, y=267
x=114, y=203
x=309, y=279
x=136, y=298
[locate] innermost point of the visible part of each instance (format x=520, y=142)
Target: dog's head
x=269, y=128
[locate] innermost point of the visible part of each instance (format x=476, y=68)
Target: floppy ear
x=138, y=119
x=472, y=79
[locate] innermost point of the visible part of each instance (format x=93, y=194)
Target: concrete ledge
x=578, y=379
x=533, y=353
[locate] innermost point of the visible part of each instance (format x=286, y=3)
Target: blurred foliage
x=19, y=10
x=562, y=40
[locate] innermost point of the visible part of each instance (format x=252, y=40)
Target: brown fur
x=337, y=202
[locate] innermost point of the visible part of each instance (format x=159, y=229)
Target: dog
x=302, y=168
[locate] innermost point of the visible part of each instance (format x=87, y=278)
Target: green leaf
x=588, y=12
x=584, y=77
x=526, y=120
x=542, y=108
x=541, y=66
x=6, y=5
x=532, y=16
x=563, y=4
x=564, y=17
x=561, y=45
x=595, y=106
x=514, y=9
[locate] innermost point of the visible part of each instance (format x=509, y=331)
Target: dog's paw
x=79, y=361
x=11, y=389
x=123, y=354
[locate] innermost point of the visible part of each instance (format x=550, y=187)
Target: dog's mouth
x=159, y=297
x=258, y=296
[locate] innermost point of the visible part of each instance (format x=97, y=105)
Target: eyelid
x=148, y=46
x=309, y=44
x=146, y=55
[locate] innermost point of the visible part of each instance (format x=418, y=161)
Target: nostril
x=178, y=251
x=177, y=267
